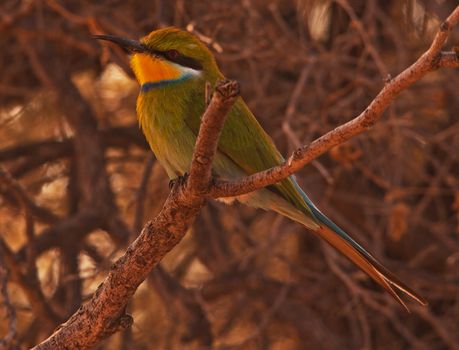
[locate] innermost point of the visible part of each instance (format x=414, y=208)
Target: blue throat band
x=161, y=83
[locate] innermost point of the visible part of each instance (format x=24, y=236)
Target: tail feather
x=335, y=236
x=344, y=243
x=370, y=266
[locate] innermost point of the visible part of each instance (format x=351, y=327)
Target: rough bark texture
x=78, y=181
x=431, y=60
x=105, y=313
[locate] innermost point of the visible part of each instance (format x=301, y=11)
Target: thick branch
x=209, y=133
x=432, y=59
x=105, y=314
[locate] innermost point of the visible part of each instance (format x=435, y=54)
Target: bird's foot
x=180, y=181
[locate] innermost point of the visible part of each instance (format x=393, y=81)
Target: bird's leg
x=180, y=180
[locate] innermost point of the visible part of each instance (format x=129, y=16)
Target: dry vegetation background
x=77, y=180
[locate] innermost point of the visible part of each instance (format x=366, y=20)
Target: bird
x=173, y=68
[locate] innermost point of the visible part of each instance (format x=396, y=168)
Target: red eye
x=172, y=54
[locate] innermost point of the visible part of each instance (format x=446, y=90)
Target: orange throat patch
x=149, y=69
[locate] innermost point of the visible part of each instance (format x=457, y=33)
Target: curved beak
x=127, y=44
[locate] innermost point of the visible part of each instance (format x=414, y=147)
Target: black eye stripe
x=177, y=58
x=187, y=62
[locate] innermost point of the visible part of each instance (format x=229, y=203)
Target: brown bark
x=338, y=77
x=431, y=60
x=105, y=313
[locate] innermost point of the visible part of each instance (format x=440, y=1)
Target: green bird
x=173, y=67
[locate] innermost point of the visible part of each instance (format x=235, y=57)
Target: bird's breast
x=167, y=133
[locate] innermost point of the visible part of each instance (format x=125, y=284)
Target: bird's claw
x=180, y=181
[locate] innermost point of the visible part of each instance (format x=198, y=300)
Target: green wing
x=245, y=142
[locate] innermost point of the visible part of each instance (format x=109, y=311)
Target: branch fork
x=104, y=313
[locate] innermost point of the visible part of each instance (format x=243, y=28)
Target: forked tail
x=339, y=239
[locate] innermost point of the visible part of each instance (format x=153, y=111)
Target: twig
x=24, y=9
x=30, y=206
x=443, y=330
x=35, y=296
x=28, y=281
x=142, y=192
x=182, y=303
x=431, y=60
x=105, y=313
x=10, y=340
x=448, y=59
x=364, y=35
x=290, y=111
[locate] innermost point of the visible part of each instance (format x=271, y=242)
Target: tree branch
x=10, y=340
x=105, y=313
x=43, y=213
x=37, y=300
x=209, y=134
x=431, y=60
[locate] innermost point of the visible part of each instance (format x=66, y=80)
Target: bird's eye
x=172, y=54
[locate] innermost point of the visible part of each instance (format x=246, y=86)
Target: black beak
x=127, y=44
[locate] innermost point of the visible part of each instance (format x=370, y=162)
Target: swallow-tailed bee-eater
x=173, y=67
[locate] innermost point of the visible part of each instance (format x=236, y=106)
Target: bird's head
x=166, y=56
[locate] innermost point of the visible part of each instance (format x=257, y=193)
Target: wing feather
x=244, y=141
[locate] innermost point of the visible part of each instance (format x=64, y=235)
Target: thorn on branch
x=228, y=88
x=298, y=153
x=368, y=123
x=119, y=324
x=444, y=27
x=388, y=79
x=202, y=160
x=125, y=322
